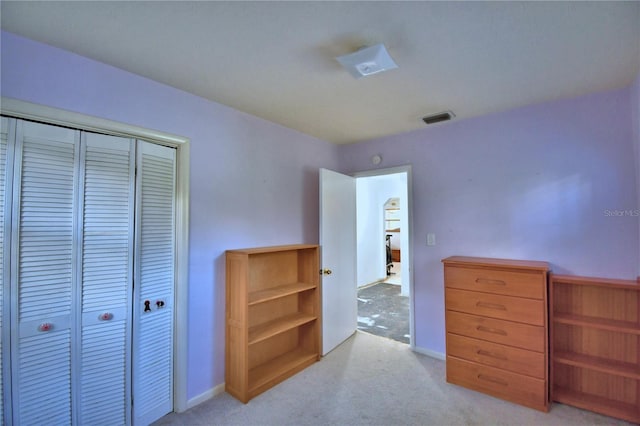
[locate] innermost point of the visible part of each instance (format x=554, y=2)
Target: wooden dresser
x=497, y=331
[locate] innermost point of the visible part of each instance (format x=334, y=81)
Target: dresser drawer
x=502, y=384
x=509, y=333
x=496, y=355
x=521, y=284
x=528, y=311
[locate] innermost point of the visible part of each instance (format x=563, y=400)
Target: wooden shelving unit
x=392, y=215
x=272, y=316
x=595, y=344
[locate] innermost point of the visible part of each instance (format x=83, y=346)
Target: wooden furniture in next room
x=595, y=344
x=496, y=323
x=272, y=316
x=395, y=255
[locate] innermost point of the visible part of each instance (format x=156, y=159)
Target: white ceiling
x=276, y=60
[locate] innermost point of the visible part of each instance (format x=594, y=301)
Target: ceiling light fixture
x=367, y=61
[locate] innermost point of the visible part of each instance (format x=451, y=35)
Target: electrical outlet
x=431, y=239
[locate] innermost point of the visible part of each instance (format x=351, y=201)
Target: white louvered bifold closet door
x=108, y=166
x=5, y=205
x=154, y=283
x=42, y=273
x=86, y=240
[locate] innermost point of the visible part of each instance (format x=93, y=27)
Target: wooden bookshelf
x=275, y=293
x=599, y=323
x=595, y=344
x=262, y=332
x=608, y=366
x=587, y=401
x=272, y=316
x=264, y=374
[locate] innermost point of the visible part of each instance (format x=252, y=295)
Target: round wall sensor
x=376, y=159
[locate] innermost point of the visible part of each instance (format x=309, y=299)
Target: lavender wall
x=635, y=123
x=543, y=182
x=253, y=182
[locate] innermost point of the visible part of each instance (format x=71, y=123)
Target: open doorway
x=384, y=290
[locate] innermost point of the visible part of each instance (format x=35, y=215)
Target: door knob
x=107, y=316
x=47, y=326
x=325, y=271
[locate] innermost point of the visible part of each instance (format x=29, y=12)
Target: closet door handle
x=491, y=330
x=491, y=306
x=107, y=316
x=488, y=281
x=46, y=326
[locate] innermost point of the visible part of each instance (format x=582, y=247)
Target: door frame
x=50, y=115
x=409, y=234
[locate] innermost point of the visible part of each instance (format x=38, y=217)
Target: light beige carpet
x=370, y=380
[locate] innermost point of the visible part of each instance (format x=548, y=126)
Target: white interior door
x=338, y=247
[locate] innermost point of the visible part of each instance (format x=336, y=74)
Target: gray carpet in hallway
x=370, y=380
x=384, y=312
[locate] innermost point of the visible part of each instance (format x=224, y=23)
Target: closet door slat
x=4, y=136
x=107, y=271
x=154, y=282
x=42, y=275
x=45, y=387
x=53, y=222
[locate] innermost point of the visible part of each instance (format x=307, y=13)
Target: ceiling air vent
x=437, y=118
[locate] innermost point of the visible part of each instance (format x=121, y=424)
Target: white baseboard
x=205, y=396
x=430, y=353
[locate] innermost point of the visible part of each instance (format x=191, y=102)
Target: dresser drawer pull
x=491, y=354
x=491, y=330
x=492, y=379
x=488, y=281
x=491, y=306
